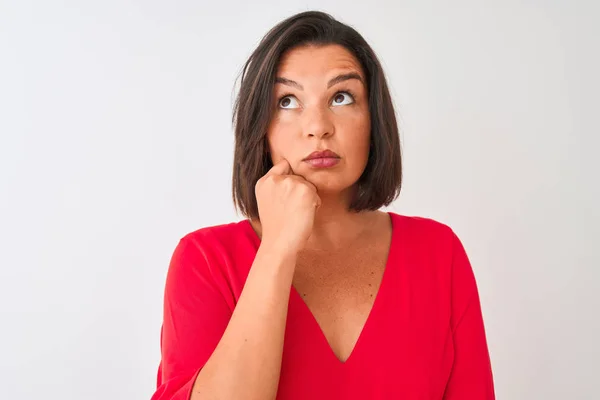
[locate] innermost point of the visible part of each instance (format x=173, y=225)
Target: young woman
x=317, y=294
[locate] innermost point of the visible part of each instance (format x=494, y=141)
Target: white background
x=116, y=141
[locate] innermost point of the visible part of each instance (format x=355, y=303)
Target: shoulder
x=423, y=231
x=216, y=243
x=427, y=240
x=219, y=255
x=432, y=251
x=216, y=233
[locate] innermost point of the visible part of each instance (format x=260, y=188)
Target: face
x=321, y=104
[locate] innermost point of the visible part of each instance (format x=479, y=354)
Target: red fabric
x=424, y=338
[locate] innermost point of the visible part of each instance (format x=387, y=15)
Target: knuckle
x=288, y=181
x=305, y=190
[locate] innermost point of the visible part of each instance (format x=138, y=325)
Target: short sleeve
x=471, y=375
x=195, y=316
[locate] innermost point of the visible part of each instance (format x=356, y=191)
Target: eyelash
x=347, y=91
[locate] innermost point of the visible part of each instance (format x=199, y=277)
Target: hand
x=287, y=204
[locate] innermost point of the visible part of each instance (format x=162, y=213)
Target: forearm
x=246, y=363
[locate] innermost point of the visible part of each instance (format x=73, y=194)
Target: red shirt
x=424, y=338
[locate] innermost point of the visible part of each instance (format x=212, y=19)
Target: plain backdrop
x=116, y=140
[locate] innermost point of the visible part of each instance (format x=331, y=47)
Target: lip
x=321, y=154
x=322, y=159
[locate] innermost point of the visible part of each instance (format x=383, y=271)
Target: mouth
x=322, y=159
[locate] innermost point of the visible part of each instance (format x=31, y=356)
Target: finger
x=302, y=180
x=310, y=184
x=281, y=168
x=317, y=201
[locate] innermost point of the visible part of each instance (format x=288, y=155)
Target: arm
x=471, y=377
x=213, y=352
x=209, y=352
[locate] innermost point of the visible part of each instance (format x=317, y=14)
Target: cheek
x=280, y=137
x=357, y=134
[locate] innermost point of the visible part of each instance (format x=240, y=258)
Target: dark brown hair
x=381, y=180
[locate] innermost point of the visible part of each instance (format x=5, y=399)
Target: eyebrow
x=332, y=81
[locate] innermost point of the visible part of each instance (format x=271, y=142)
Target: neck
x=335, y=225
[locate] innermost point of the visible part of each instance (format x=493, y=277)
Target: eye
x=342, y=99
x=287, y=102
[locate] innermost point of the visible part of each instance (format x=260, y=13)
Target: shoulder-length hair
x=381, y=180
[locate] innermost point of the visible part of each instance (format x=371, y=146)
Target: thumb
x=281, y=168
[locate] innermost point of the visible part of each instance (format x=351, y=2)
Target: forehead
x=314, y=61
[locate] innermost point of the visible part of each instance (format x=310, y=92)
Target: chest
x=342, y=343
x=339, y=289
x=396, y=345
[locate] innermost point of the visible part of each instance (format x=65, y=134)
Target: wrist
x=278, y=250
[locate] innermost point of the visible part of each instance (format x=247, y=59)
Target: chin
x=329, y=180
x=330, y=184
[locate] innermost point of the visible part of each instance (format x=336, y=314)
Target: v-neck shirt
x=424, y=338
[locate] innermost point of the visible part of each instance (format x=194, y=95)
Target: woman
x=318, y=295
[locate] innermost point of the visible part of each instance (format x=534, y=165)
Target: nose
x=317, y=122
